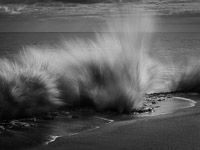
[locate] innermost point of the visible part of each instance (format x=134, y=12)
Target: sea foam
x=113, y=71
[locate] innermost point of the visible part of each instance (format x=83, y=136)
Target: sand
x=177, y=130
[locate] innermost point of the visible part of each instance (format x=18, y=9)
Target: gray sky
x=54, y=16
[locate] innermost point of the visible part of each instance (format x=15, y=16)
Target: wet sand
x=177, y=130
x=30, y=132
x=42, y=132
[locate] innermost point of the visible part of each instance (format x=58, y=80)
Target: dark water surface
x=11, y=43
x=178, y=45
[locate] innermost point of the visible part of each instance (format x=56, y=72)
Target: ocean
x=164, y=47
x=175, y=43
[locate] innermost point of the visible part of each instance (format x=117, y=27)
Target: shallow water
x=24, y=133
x=170, y=106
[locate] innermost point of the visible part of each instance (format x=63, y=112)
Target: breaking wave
x=111, y=72
x=186, y=77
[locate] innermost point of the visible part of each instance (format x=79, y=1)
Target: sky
x=91, y=15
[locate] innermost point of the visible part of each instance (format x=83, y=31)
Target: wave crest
x=111, y=72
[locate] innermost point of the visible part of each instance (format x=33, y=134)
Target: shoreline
x=106, y=122
x=53, y=138
x=192, y=104
x=170, y=131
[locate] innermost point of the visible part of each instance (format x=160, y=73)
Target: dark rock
x=156, y=106
x=65, y=113
x=20, y=124
x=54, y=113
x=145, y=109
x=2, y=128
x=154, y=102
x=75, y=116
x=48, y=117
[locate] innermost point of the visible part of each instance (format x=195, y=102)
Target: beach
x=178, y=130
x=99, y=75
x=174, y=128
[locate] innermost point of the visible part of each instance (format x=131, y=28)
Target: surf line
x=109, y=120
x=187, y=99
x=52, y=138
x=97, y=127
